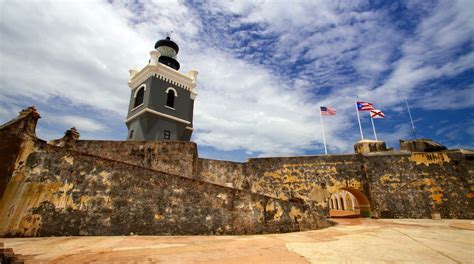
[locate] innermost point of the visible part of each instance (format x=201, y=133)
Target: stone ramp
x=61, y=192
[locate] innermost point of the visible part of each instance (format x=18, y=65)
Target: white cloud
x=448, y=99
x=70, y=50
x=243, y=106
x=81, y=51
x=329, y=35
x=258, y=102
x=430, y=54
x=79, y=122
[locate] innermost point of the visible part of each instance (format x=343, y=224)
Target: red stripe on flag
x=376, y=114
x=327, y=111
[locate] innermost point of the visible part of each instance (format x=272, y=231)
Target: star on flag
x=364, y=106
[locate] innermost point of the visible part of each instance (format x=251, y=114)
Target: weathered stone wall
x=10, y=146
x=172, y=157
x=123, y=187
x=307, y=180
x=225, y=173
x=418, y=184
x=401, y=185
x=367, y=146
x=17, y=140
x=59, y=191
x=301, y=177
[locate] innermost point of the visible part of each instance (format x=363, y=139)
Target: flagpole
x=373, y=126
x=412, y=125
x=322, y=128
x=358, y=119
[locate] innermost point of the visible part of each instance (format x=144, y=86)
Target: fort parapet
x=85, y=187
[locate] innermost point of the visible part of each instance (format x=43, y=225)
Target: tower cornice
x=161, y=71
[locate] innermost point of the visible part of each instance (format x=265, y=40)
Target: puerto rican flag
x=376, y=114
x=364, y=106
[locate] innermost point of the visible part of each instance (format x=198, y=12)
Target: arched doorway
x=349, y=202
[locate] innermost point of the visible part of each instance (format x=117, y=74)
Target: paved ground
x=352, y=241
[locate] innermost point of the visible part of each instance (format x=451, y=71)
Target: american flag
x=364, y=106
x=327, y=111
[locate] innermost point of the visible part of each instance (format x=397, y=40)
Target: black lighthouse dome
x=168, y=50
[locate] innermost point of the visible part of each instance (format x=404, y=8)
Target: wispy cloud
x=264, y=68
x=446, y=98
x=79, y=122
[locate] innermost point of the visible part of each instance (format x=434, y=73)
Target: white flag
x=376, y=114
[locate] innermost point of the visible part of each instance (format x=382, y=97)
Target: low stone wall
x=397, y=185
x=418, y=184
x=310, y=179
x=296, y=177
x=307, y=180
x=61, y=192
x=172, y=157
x=225, y=173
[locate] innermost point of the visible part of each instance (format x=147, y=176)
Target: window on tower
x=167, y=134
x=140, y=93
x=170, y=99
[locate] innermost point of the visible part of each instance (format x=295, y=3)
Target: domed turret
x=168, y=50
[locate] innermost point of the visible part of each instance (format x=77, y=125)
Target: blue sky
x=264, y=67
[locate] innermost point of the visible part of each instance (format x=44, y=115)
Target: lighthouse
x=161, y=97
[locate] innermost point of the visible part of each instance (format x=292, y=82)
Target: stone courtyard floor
x=352, y=241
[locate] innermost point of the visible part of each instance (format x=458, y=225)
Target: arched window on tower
x=139, y=94
x=171, y=95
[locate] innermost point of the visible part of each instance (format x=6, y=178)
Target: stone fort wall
x=397, y=184
x=81, y=187
x=61, y=192
x=174, y=157
x=414, y=185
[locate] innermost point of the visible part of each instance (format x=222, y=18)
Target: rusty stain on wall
x=429, y=158
x=21, y=196
x=435, y=190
